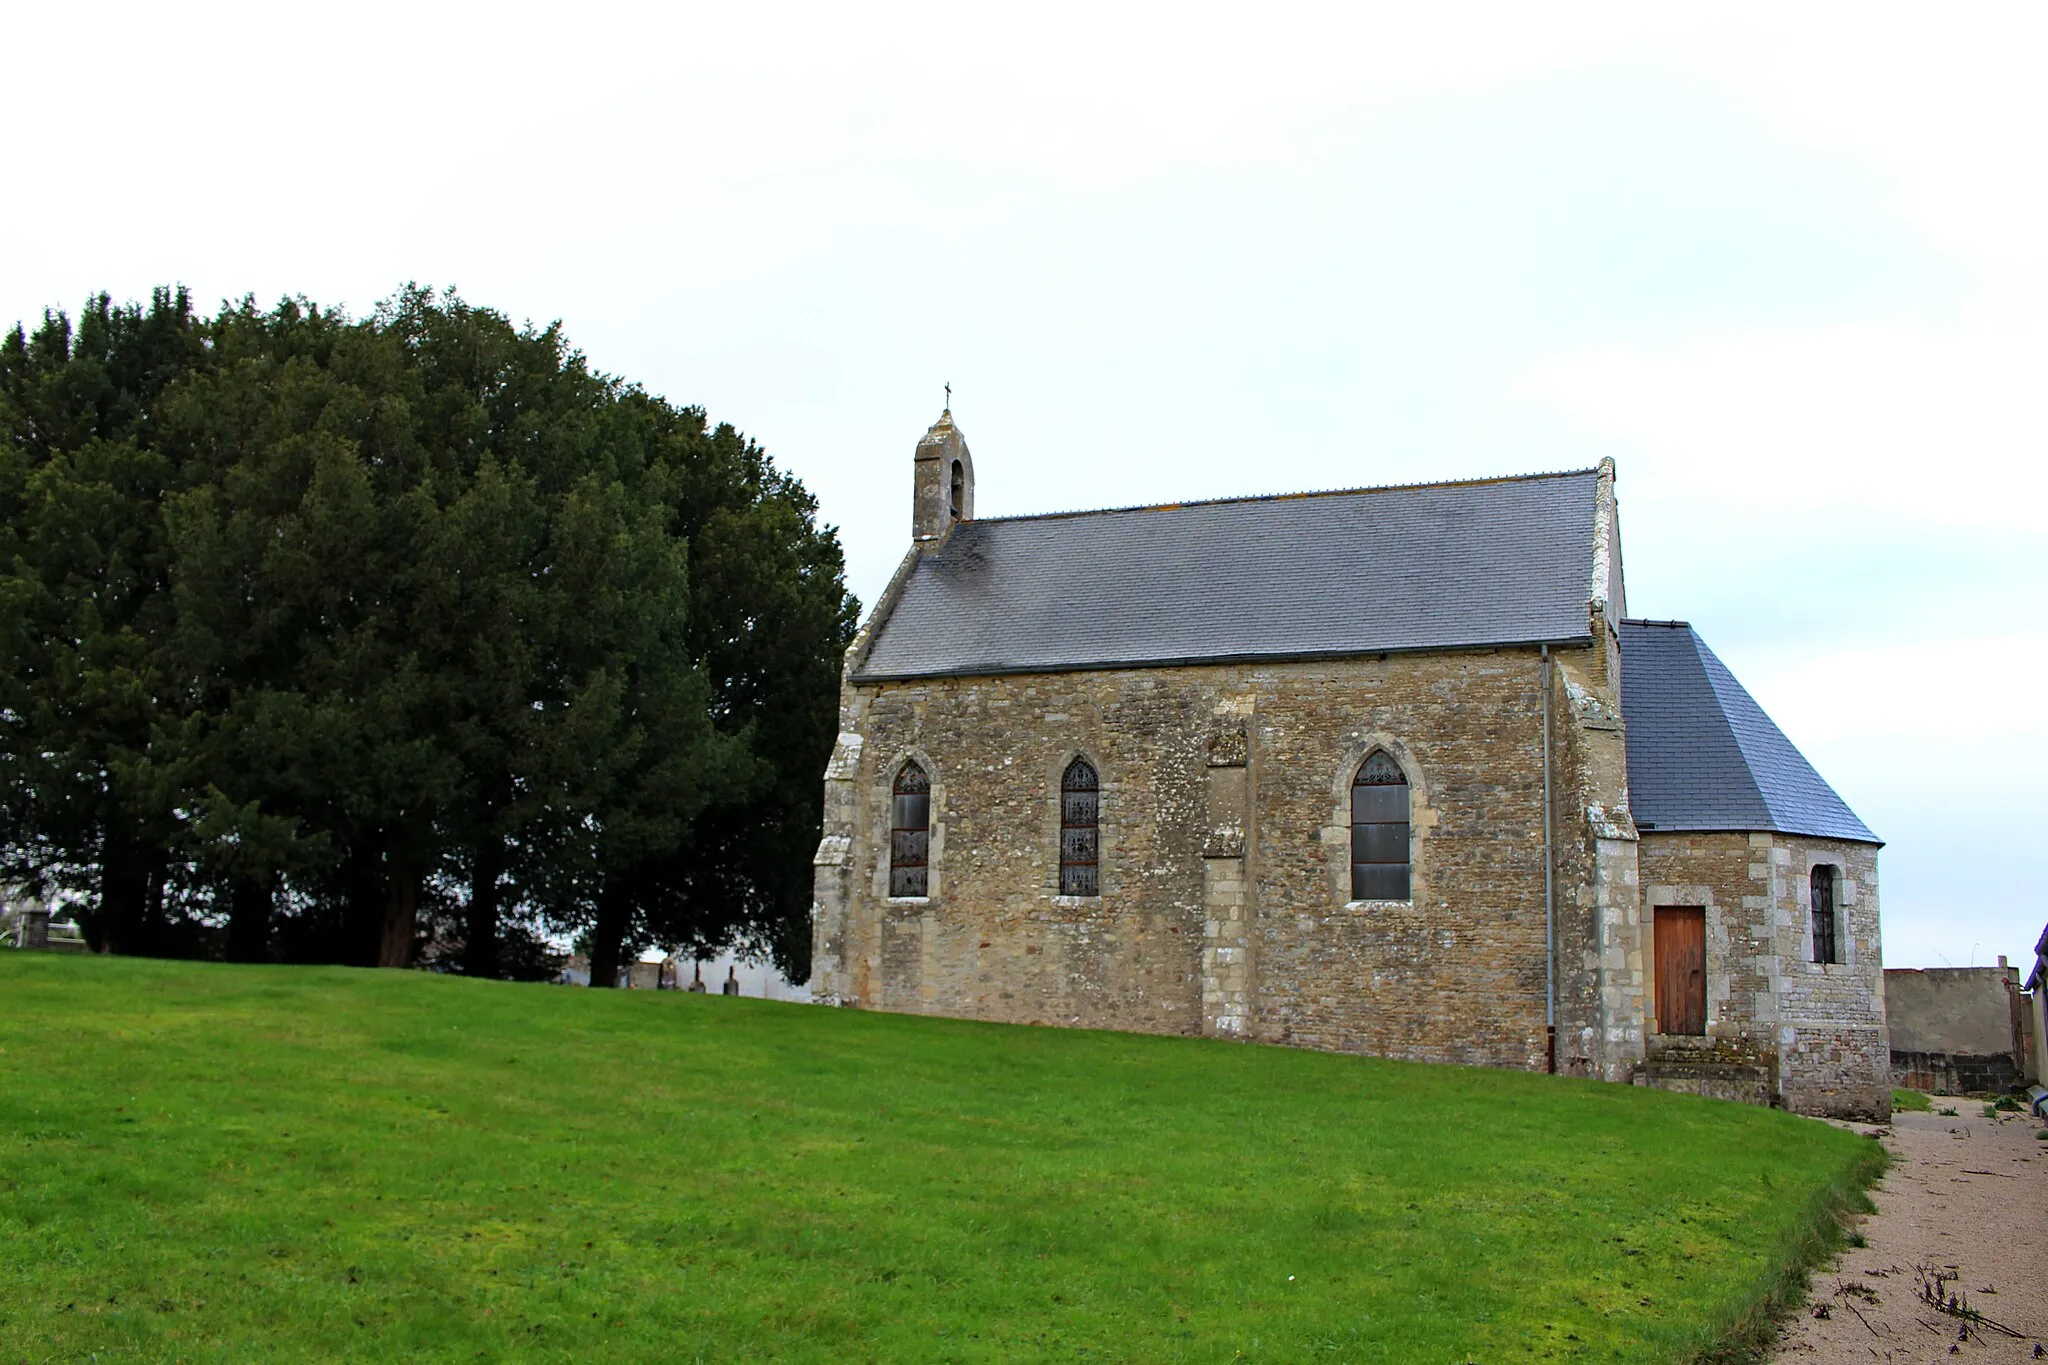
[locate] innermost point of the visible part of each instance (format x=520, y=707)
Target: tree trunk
x=155, y=932
x=401, y=919
x=251, y=903
x=119, y=920
x=480, y=932
x=608, y=938
x=364, y=896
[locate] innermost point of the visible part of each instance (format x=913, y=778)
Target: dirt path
x=1966, y=1199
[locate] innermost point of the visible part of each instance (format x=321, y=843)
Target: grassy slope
x=256, y=1163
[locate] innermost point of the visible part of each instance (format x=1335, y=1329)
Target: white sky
x=1788, y=265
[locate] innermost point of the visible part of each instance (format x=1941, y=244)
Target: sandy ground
x=1966, y=1199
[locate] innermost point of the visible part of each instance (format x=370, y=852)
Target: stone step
x=1720, y=1068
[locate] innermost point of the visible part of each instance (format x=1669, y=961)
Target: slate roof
x=1492, y=562
x=1702, y=755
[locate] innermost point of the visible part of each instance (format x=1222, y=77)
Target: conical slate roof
x=1702, y=755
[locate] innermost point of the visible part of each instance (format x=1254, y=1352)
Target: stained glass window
x=1379, y=830
x=910, y=832
x=1080, y=817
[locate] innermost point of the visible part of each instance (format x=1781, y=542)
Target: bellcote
x=943, y=490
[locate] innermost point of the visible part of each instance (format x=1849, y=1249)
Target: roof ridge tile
x=1287, y=497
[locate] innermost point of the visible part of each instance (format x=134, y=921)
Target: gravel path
x=1966, y=1200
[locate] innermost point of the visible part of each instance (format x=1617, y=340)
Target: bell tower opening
x=943, y=489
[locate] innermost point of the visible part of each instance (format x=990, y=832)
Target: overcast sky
x=1791, y=273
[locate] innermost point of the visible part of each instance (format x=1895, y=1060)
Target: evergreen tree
x=326, y=625
x=89, y=709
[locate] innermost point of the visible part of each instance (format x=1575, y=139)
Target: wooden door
x=1681, y=949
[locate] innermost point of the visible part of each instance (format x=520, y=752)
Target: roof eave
x=870, y=631
x=1196, y=660
x=1708, y=827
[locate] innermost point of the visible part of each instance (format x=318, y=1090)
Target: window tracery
x=1080, y=832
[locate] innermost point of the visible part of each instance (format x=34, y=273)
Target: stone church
x=1385, y=770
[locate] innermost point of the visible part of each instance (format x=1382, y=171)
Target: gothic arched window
x=959, y=488
x=910, y=832
x=1821, y=892
x=1379, y=830
x=1080, y=817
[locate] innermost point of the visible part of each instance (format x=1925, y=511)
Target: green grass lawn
x=245, y=1163
x=1910, y=1101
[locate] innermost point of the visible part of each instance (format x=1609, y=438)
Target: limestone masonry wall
x=1225, y=835
x=1600, y=946
x=1224, y=905
x=1225, y=870
x=1821, y=1025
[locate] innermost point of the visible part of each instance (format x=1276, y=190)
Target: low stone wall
x=1971, y=1011
x=1961, y=1030
x=34, y=927
x=1955, y=1073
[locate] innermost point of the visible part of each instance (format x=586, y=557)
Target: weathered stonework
x=1820, y=1025
x=1224, y=905
x=1224, y=836
x=1601, y=957
x=1958, y=1030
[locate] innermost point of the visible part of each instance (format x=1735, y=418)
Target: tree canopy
x=363, y=640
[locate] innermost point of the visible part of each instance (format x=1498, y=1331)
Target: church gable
x=1484, y=563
